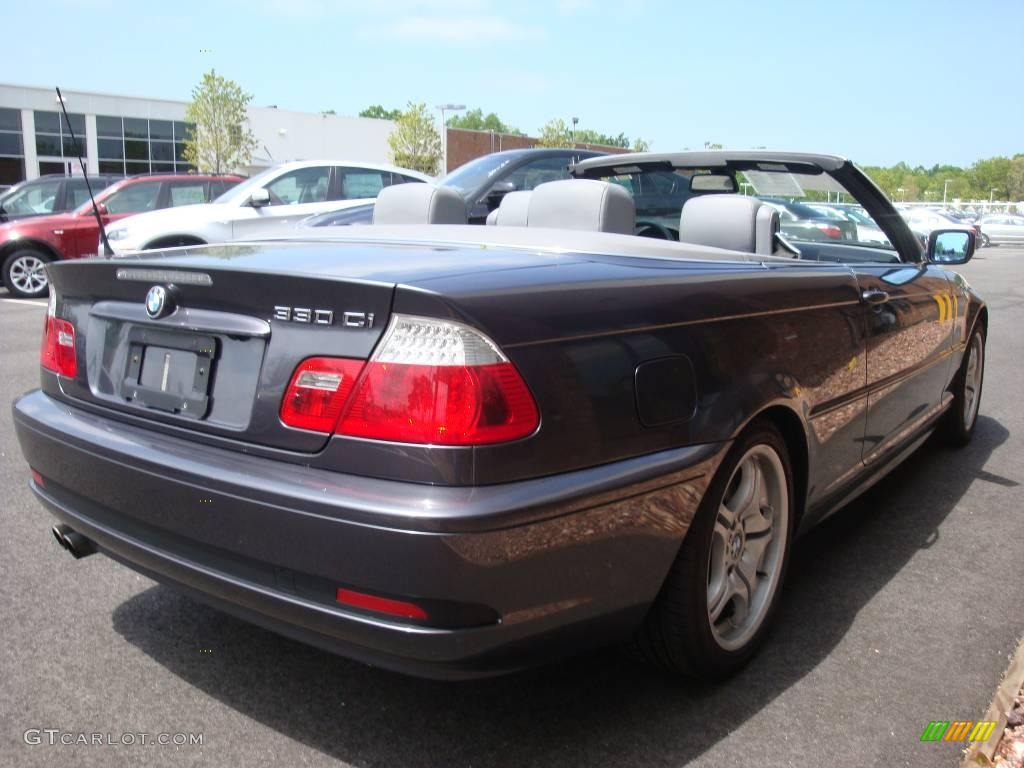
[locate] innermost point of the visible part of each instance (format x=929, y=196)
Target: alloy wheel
x=748, y=547
x=28, y=274
x=972, y=380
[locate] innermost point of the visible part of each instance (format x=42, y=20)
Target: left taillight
x=430, y=381
x=318, y=391
x=830, y=231
x=57, y=352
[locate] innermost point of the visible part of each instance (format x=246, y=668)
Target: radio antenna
x=107, y=250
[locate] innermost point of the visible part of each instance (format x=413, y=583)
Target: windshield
x=805, y=202
x=86, y=207
x=35, y=198
x=474, y=174
x=240, y=192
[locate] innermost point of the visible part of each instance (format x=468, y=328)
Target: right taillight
x=57, y=352
x=434, y=382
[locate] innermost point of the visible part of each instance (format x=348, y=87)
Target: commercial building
x=125, y=134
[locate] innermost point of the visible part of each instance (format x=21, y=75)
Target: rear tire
x=958, y=424
x=24, y=274
x=984, y=240
x=719, y=597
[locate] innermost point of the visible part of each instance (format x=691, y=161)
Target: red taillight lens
x=430, y=381
x=445, y=405
x=57, y=353
x=318, y=392
x=376, y=604
x=830, y=230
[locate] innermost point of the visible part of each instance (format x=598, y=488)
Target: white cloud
x=463, y=30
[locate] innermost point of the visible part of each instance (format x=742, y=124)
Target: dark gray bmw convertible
x=456, y=451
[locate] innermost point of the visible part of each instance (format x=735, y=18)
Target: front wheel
x=984, y=240
x=962, y=417
x=24, y=273
x=718, y=599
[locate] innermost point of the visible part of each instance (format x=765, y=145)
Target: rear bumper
x=545, y=566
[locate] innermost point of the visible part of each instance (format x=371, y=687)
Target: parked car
x=1001, y=229
x=456, y=451
x=27, y=245
x=482, y=182
x=923, y=221
x=271, y=202
x=867, y=230
x=801, y=222
x=50, y=194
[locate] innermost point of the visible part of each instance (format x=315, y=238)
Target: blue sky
x=879, y=81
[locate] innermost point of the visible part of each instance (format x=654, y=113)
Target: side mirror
x=259, y=198
x=950, y=246
x=102, y=209
x=497, y=192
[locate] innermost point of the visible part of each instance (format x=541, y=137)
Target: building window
x=53, y=135
x=137, y=145
x=12, y=151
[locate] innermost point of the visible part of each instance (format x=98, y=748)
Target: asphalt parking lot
x=901, y=609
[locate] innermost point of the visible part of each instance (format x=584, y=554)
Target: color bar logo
x=958, y=730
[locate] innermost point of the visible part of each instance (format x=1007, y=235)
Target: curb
x=981, y=753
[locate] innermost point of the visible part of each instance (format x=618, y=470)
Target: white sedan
x=270, y=203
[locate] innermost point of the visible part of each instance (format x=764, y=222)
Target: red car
x=27, y=245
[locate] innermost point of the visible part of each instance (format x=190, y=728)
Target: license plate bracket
x=169, y=371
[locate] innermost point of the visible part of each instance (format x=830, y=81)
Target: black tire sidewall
x=955, y=431
x=8, y=262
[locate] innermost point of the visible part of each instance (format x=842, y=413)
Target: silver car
x=1001, y=228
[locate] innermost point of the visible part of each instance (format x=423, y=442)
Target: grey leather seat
x=419, y=204
x=513, y=210
x=735, y=222
x=586, y=204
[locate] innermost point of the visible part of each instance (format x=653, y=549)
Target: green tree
x=476, y=120
x=415, y=142
x=220, y=139
x=377, y=111
x=639, y=145
x=554, y=133
x=590, y=136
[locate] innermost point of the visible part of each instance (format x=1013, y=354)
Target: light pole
x=574, y=121
x=444, y=132
x=945, y=186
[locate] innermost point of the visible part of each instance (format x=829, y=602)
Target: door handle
x=874, y=296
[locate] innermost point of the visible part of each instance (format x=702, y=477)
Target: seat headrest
x=419, y=204
x=734, y=222
x=514, y=210
x=586, y=204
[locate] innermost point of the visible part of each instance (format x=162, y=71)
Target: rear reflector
x=57, y=352
x=383, y=605
x=318, y=392
x=37, y=478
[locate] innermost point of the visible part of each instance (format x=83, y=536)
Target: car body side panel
x=788, y=335
x=910, y=345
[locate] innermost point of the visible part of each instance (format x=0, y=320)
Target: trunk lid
x=219, y=356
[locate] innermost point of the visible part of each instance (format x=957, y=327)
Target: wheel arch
x=29, y=242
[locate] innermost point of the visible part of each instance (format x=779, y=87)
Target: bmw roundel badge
x=158, y=302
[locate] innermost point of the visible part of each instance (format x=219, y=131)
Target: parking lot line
x=26, y=302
